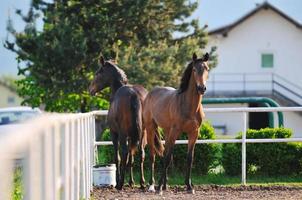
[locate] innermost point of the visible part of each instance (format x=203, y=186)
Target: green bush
x=105, y=153
x=205, y=156
x=264, y=158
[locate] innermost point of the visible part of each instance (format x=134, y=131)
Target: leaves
x=58, y=61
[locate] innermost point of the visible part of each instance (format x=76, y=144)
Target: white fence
x=244, y=112
x=58, y=153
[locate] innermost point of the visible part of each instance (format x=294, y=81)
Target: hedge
x=206, y=155
x=266, y=158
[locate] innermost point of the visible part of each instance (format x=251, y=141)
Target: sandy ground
x=204, y=192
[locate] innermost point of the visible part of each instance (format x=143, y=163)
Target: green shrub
x=105, y=153
x=267, y=158
x=231, y=159
x=205, y=156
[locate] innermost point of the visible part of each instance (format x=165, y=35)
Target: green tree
x=60, y=60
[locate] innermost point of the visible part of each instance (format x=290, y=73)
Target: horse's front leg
x=192, y=137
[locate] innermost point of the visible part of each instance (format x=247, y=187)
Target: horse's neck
x=192, y=97
x=115, y=85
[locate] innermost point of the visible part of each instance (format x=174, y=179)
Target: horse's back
x=161, y=93
x=157, y=104
x=120, y=108
x=125, y=112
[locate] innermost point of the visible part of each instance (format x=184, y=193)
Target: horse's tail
x=158, y=146
x=136, y=129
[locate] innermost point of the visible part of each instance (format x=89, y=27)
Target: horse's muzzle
x=201, y=89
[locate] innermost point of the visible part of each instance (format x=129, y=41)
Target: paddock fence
x=57, y=153
x=243, y=140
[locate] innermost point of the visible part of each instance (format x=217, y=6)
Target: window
x=11, y=100
x=267, y=60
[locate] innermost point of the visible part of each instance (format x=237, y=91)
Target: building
x=258, y=55
x=8, y=96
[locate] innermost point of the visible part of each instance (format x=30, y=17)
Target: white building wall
x=232, y=121
x=240, y=52
x=264, y=32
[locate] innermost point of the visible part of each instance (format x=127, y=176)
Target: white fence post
x=6, y=174
x=243, y=163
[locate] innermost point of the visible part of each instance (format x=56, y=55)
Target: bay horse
x=176, y=111
x=124, y=117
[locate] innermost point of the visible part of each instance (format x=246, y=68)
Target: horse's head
x=102, y=78
x=200, y=71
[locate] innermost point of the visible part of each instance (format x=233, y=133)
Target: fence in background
x=244, y=141
x=58, y=153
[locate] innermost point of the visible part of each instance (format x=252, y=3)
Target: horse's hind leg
x=170, y=142
x=114, y=137
x=142, y=159
x=130, y=163
x=151, y=128
x=124, y=160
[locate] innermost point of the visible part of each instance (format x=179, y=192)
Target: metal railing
x=56, y=152
x=245, y=83
x=244, y=140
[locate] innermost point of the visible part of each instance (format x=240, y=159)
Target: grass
x=221, y=179
x=18, y=189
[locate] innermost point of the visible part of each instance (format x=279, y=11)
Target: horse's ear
x=194, y=57
x=206, y=57
x=102, y=60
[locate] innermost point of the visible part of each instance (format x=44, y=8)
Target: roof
x=264, y=6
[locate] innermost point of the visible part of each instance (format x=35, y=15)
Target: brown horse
x=176, y=111
x=124, y=117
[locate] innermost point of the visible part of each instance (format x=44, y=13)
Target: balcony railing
x=254, y=83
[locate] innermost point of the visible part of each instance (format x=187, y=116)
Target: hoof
x=142, y=187
x=119, y=187
x=131, y=184
x=165, y=187
x=151, y=188
x=160, y=192
x=191, y=191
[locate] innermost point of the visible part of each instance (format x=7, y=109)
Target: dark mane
x=185, y=79
x=118, y=73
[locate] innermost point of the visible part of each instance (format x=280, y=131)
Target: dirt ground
x=209, y=192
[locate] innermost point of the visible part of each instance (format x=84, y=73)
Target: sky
x=214, y=13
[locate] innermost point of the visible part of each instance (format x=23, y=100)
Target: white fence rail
x=57, y=157
x=244, y=141
x=57, y=152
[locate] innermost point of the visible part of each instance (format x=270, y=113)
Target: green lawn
x=221, y=179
